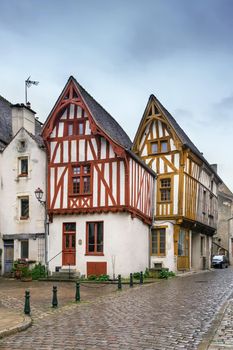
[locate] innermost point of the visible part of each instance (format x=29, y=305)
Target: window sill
x=94, y=254
x=158, y=256
x=80, y=194
x=24, y=218
x=23, y=175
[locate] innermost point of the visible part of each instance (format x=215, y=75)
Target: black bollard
x=27, y=309
x=54, y=301
x=77, y=295
x=131, y=280
x=141, y=277
x=119, y=282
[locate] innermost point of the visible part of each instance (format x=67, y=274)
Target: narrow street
x=173, y=314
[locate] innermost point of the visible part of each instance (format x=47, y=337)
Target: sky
x=121, y=51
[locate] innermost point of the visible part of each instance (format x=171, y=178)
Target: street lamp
x=39, y=195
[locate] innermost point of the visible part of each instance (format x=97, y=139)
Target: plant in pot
x=26, y=275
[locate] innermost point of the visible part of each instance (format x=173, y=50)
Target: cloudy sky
x=121, y=51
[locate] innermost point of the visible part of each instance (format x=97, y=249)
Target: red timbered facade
x=91, y=168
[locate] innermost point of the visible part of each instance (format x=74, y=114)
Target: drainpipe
x=153, y=217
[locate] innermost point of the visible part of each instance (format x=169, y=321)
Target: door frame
x=71, y=251
x=183, y=261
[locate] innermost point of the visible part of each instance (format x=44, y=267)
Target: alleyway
x=173, y=314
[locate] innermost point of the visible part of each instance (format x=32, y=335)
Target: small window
x=24, y=208
x=80, y=129
x=154, y=147
x=165, y=190
x=24, y=249
x=23, y=166
x=164, y=146
x=70, y=129
x=158, y=241
x=95, y=244
x=202, y=246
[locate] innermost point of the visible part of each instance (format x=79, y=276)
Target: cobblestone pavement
x=223, y=338
x=173, y=314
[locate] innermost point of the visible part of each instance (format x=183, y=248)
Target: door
x=183, y=250
x=8, y=256
x=69, y=244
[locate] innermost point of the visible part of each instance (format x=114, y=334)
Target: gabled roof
x=102, y=118
x=183, y=137
x=5, y=121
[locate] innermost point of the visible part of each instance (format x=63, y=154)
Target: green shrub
x=166, y=274
x=26, y=272
x=147, y=273
x=136, y=275
x=92, y=277
x=38, y=271
x=103, y=278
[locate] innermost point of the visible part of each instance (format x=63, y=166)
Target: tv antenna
x=28, y=84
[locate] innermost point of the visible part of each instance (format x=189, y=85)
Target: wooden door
x=69, y=244
x=183, y=250
x=96, y=268
x=8, y=256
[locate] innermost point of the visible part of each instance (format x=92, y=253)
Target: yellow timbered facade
x=185, y=214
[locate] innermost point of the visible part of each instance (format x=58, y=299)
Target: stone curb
x=209, y=336
x=26, y=323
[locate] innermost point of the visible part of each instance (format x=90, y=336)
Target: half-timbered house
x=100, y=194
x=185, y=214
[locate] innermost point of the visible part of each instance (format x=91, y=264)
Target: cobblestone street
x=169, y=314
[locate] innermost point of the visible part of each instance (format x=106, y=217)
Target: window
x=80, y=129
x=24, y=249
x=23, y=166
x=95, y=237
x=159, y=146
x=204, y=202
x=158, y=241
x=70, y=129
x=165, y=190
x=81, y=179
x=24, y=208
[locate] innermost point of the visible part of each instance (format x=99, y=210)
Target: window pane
x=70, y=227
x=165, y=195
x=99, y=237
x=164, y=146
x=87, y=169
x=76, y=185
x=91, y=233
x=80, y=128
x=24, y=166
x=154, y=147
x=70, y=129
x=76, y=170
x=154, y=240
x=24, y=208
x=86, y=184
x=162, y=241
x=24, y=249
x=165, y=183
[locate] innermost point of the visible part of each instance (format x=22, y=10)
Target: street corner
x=13, y=322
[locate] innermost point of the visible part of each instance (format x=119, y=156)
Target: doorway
x=8, y=256
x=183, y=250
x=69, y=244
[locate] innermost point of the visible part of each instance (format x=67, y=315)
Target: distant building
x=223, y=240
x=185, y=217
x=22, y=170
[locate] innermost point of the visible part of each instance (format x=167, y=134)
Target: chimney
x=23, y=117
x=214, y=167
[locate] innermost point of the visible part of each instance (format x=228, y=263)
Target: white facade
x=16, y=186
x=126, y=241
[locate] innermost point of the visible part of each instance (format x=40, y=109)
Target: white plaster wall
x=125, y=238
x=12, y=186
x=197, y=259
x=169, y=260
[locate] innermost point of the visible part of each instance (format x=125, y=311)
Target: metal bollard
x=54, y=301
x=131, y=280
x=27, y=308
x=141, y=277
x=77, y=294
x=119, y=282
